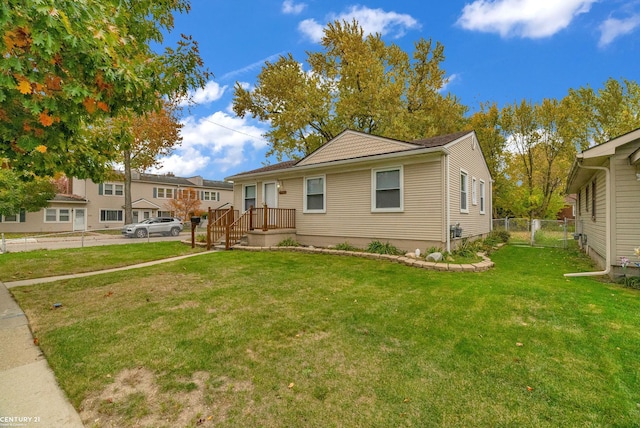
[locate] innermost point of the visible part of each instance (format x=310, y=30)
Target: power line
x=235, y=130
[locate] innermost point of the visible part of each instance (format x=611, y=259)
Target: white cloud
x=523, y=18
x=212, y=145
x=210, y=93
x=371, y=21
x=613, y=28
x=291, y=8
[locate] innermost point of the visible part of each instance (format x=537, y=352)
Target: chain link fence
x=539, y=233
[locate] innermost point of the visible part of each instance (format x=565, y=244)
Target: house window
x=11, y=218
x=586, y=198
x=387, y=190
x=111, y=216
x=111, y=189
x=482, y=197
x=474, y=193
x=464, y=191
x=57, y=215
x=314, y=195
x=163, y=192
x=249, y=196
x=206, y=195
x=593, y=200
x=579, y=202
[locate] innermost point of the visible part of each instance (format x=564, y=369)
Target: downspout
x=448, y=202
x=607, y=224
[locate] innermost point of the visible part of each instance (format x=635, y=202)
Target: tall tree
x=604, y=114
x=486, y=123
x=356, y=82
x=66, y=63
x=138, y=141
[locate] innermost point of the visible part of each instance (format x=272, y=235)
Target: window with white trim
x=207, y=195
x=482, y=197
x=314, y=194
x=11, y=218
x=474, y=193
x=464, y=191
x=249, y=196
x=386, y=194
x=111, y=216
x=112, y=189
x=57, y=215
x=164, y=192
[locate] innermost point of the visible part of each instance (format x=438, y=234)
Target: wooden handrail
x=233, y=227
x=218, y=222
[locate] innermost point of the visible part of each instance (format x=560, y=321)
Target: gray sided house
x=606, y=181
x=358, y=188
x=90, y=206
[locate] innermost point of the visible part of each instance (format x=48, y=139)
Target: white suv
x=163, y=225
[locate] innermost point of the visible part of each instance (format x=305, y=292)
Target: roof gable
x=352, y=144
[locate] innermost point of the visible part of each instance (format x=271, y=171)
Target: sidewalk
x=30, y=395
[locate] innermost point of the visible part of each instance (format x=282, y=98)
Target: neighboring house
x=606, y=180
x=358, y=187
x=568, y=212
x=91, y=206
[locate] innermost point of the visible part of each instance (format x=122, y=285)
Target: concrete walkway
x=29, y=393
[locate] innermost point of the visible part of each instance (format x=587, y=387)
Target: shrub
x=289, y=242
x=378, y=247
x=502, y=235
x=201, y=237
x=467, y=248
x=345, y=246
x=433, y=250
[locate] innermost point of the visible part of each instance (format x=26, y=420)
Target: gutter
x=607, y=224
x=448, y=203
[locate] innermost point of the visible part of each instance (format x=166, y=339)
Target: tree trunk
x=128, y=210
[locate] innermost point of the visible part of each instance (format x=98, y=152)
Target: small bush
x=433, y=250
x=289, y=242
x=502, y=235
x=345, y=246
x=467, y=248
x=201, y=237
x=378, y=247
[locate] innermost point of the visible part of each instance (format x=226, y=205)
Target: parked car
x=162, y=225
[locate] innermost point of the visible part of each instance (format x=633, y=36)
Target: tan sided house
x=358, y=188
x=91, y=206
x=606, y=180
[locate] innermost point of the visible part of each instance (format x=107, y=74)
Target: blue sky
x=496, y=50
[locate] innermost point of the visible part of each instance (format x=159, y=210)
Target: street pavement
x=79, y=241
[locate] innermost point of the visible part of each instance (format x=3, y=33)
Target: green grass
x=42, y=263
x=291, y=339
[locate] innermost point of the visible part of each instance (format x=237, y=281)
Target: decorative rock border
x=482, y=266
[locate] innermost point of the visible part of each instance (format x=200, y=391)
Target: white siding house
x=359, y=187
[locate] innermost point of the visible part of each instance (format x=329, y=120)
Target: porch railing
x=233, y=227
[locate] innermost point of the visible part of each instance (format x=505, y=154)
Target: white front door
x=79, y=219
x=271, y=195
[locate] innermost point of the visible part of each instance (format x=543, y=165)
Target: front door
x=79, y=219
x=271, y=195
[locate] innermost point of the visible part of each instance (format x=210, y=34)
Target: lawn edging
x=482, y=266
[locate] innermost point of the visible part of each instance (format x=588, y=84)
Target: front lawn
x=312, y=340
x=42, y=263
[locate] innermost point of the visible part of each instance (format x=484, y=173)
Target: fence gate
x=539, y=233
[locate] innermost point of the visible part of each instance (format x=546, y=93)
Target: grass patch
x=43, y=263
x=292, y=339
